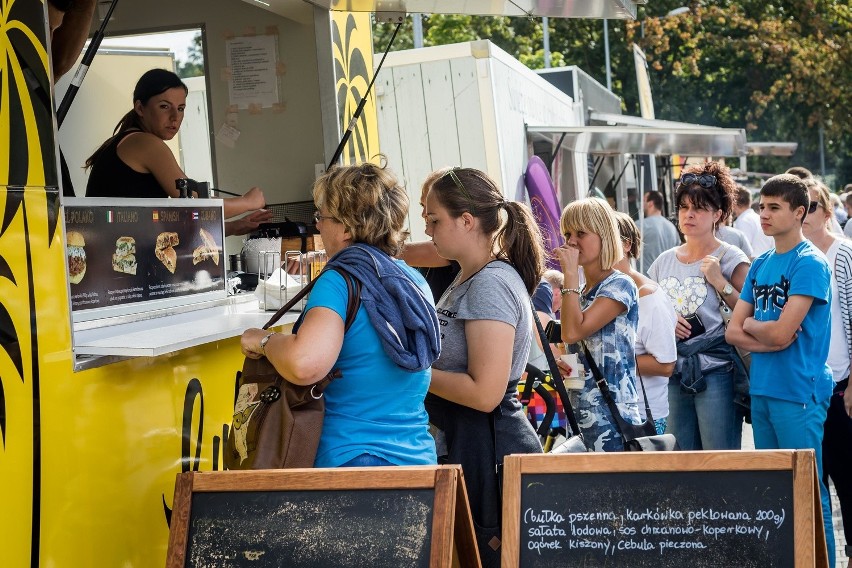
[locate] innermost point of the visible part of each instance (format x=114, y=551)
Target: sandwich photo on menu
x=76, y=256
x=124, y=258
x=164, y=250
x=208, y=250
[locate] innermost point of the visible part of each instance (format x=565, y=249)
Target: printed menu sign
x=125, y=254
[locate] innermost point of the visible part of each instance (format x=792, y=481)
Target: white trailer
x=465, y=104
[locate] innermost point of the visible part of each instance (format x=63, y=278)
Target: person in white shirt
x=847, y=230
x=656, y=345
x=748, y=222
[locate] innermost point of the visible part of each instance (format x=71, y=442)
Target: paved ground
x=839, y=540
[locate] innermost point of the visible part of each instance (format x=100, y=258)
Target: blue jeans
x=780, y=424
x=707, y=420
x=366, y=460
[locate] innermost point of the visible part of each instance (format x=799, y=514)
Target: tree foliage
x=193, y=65
x=781, y=69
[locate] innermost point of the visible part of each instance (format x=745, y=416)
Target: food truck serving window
x=135, y=255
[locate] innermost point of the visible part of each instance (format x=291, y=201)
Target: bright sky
x=177, y=42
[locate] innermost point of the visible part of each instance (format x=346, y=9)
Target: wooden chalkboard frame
x=809, y=533
x=453, y=541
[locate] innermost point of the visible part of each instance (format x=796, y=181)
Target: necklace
x=459, y=281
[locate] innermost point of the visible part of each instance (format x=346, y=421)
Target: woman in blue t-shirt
x=604, y=313
x=375, y=413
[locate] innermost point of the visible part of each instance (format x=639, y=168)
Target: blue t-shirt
x=377, y=407
x=612, y=347
x=799, y=372
x=542, y=298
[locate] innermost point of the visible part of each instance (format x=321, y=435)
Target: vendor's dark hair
x=518, y=240
x=150, y=84
x=62, y=5
x=721, y=196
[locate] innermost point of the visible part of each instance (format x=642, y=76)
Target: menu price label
x=123, y=255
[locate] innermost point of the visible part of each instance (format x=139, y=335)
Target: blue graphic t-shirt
x=612, y=349
x=799, y=372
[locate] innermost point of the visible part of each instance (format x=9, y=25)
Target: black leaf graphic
x=14, y=198
x=2, y=412
x=52, y=213
x=6, y=271
x=9, y=340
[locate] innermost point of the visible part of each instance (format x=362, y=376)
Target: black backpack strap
x=555, y=375
x=353, y=302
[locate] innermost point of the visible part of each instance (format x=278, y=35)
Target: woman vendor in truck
x=135, y=161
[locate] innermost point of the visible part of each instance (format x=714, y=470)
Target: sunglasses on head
x=707, y=181
x=812, y=207
x=462, y=188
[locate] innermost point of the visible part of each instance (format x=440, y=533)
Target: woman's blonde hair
x=368, y=200
x=594, y=215
x=823, y=195
x=629, y=233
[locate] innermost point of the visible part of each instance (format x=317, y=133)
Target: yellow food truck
x=116, y=374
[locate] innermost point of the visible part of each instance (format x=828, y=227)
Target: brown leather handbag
x=277, y=424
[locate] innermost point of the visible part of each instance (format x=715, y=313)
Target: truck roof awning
x=614, y=140
x=616, y=9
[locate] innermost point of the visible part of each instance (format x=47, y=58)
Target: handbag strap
x=624, y=428
x=353, y=289
x=555, y=375
x=644, y=395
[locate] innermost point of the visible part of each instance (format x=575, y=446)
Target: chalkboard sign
x=749, y=509
x=391, y=517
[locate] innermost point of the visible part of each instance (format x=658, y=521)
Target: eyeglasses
x=318, y=217
x=707, y=181
x=812, y=207
x=460, y=185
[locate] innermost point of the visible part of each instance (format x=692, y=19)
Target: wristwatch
x=264, y=341
x=727, y=289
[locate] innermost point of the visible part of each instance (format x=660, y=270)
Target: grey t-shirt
x=735, y=237
x=690, y=293
x=658, y=235
x=494, y=293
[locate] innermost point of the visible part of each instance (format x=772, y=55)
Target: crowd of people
x=455, y=344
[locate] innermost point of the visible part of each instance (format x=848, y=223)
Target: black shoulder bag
x=637, y=438
x=574, y=443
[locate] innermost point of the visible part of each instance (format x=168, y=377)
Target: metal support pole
x=545, y=26
x=417, y=24
x=606, y=54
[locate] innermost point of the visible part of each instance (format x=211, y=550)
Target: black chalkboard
x=657, y=519
x=378, y=517
x=311, y=528
x=663, y=509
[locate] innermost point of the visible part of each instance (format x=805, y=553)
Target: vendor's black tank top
x=110, y=177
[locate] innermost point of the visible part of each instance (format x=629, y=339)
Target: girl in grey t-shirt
x=486, y=324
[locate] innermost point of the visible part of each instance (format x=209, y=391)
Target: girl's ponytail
x=521, y=243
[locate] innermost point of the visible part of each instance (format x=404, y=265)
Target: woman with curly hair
x=697, y=276
x=361, y=214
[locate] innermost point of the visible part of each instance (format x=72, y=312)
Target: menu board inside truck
x=131, y=255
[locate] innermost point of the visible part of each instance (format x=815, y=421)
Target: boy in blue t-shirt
x=783, y=318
